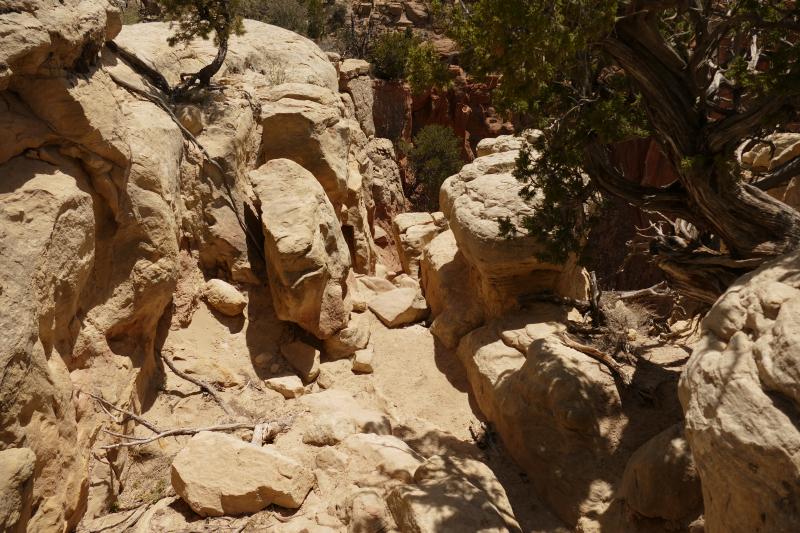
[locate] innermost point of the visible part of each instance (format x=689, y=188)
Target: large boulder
x=445, y=505
x=16, y=488
x=740, y=394
x=307, y=257
x=337, y=416
x=412, y=232
x=445, y=277
x=661, y=480
x=314, y=133
x=218, y=474
x=387, y=187
x=224, y=297
x=354, y=79
x=473, y=200
x=400, y=306
x=559, y=412
x=45, y=38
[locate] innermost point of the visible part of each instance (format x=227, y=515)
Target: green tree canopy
x=199, y=18
x=434, y=157
x=698, y=76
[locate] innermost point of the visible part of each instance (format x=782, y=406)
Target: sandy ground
x=424, y=382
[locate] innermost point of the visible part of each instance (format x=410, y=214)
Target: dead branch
x=105, y=403
x=199, y=382
x=660, y=290
x=137, y=441
x=604, y=358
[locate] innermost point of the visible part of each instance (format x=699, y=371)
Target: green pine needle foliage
x=434, y=157
x=201, y=18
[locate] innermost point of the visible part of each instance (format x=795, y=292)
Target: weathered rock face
x=500, y=268
x=387, y=188
x=354, y=80
x=217, y=475
x=16, y=487
x=739, y=392
x=446, y=279
x=110, y=217
x=412, y=233
x=45, y=38
x=308, y=257
x=660, y=480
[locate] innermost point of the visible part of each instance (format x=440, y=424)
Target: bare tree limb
x=604, y=358
x=199, y=382
x=779, y=175
x=105, y=403
x=172, y=433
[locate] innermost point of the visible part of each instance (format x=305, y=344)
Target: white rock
x=289, y=386
x=224, y=297
x=400, y=306
x=347, y=341
x=338, y=416
x=362, y=362
x=304, y=359
x=331, y=459
x=217, y=474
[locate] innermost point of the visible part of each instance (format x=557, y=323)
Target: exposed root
x=200, y=383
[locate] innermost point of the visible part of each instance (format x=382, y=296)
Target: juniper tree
x=199, y=18
x=700, y=77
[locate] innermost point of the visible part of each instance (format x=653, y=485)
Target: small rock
x=404, y=281
x=351, y=68
x=631, y=334
x=380, y=238
x=263, y=358
x=224, y=297
x=331, y=459
x=304, y=359
x=218, y=474
x=213, y=372
x=275, y=368
x=325, y=378
x=362, y=362
x=289, y=386
x=347, y=341
x=400, y=306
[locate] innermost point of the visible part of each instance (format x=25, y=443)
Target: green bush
x=434, y=157
x=389, y=55
x=311, y=18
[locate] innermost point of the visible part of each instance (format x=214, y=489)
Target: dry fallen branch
x=199, y=382
x=137, y=441
x=660, y=290
x=604, y=358
x=581, y=305
x=131, y=416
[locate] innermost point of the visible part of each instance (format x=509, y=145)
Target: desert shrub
x=276, y=70
x=389, y=54
x=434, y=157
x=625, y=323
x=289, y=14
x=130, y=11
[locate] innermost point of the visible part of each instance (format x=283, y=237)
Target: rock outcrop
x=218, y=475
x=16, y=487
x=739, y=392
x=124, y=219
x=308, y=258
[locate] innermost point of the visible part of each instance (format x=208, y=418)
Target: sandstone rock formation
x=123, y=217
x=412, y=232
x=354, y=80
x=349, y=339
x=661, y=480
x=308, y=256
x=400, y=306
x=217, y=474
x=16, y=487
x=739, y=393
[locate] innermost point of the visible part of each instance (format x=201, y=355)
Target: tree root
x=199, y=382
x=609, y=361
x=160, y=103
